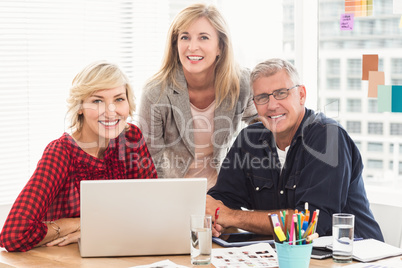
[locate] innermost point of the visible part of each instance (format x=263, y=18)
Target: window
x=354, y=67
x=396, y=129
x=396, y=66
x=374, y=147
x=44, y=44
x=381, y=65
x=372, y=106
x=376, y=34
x=353, y=126
x=375, y=128
x=396, y=81
x=354, y=105
x=333, y=67
x=354, y=83
x=333, y=83
x=374, y=164
x=332, y=105
x=400, y=168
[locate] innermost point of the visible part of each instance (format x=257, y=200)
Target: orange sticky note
x=370, y=63
x=375, y=79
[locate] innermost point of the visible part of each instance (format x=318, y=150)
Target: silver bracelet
x=56, y=228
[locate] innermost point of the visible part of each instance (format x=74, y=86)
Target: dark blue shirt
x=323, y=167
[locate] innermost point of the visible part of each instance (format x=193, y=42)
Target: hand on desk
x=65, y=240
x=62, y=232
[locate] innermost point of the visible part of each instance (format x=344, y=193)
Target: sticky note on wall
x=389, y=99
x=359, y=7
x=375, y=79
x=370, y=63
x=396, y=99
x=384, y=98
x=347, y=22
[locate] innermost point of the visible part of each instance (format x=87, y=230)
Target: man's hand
x=224, y=213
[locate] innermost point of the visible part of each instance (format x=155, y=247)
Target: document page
x=257, y=255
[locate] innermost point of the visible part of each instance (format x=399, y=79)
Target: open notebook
x=371, y=250
x=365, y=250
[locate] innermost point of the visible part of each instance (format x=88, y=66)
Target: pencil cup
x=201, y=239
x=290, y=256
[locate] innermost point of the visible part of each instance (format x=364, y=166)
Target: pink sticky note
x=375, y=79
x=347, y=22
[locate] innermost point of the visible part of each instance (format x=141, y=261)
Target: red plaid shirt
x=53, y=191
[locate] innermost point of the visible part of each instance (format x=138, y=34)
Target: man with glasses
x=291, y=157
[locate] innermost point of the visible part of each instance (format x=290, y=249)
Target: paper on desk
x=322, y=242
x=257, y=255
x=161, y=264
x=390, y=263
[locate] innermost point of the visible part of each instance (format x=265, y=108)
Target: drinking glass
x=201, y=239
x=343, y=234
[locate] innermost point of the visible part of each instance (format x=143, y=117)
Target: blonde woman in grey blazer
x=199, y=84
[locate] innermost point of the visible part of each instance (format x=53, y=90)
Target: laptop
x=139, y=217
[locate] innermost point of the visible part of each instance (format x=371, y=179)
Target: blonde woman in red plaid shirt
x=102, y=145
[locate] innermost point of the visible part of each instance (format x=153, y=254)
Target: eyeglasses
x=278, y=94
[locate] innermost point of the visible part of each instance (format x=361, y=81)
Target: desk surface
x=69, y=256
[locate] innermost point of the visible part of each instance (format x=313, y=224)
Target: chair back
x=390, y=220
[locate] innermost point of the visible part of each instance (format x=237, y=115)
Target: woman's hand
x=65, y=240
x=62, y=232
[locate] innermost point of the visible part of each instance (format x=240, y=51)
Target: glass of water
x=201, y=239
x=343, y=234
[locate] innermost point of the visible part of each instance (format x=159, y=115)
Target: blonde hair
x=96, y=76
x=227, y=72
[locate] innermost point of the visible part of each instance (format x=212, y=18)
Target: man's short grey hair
x=271, y=67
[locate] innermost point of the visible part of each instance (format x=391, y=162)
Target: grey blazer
x=166, y=122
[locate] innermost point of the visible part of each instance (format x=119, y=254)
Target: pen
x=287, y=218
x=216, y=215
x=299, y=225
x=281, y=215
x=295, y=232
x=308, y=230
x=314, y=215
x=292, y=228
x=316, y=220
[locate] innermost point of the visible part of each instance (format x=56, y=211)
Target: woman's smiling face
x=198, y=47
x=105, y=113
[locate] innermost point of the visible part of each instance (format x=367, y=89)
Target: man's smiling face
x=281, y=117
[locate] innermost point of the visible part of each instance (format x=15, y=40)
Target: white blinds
x=43, y=44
